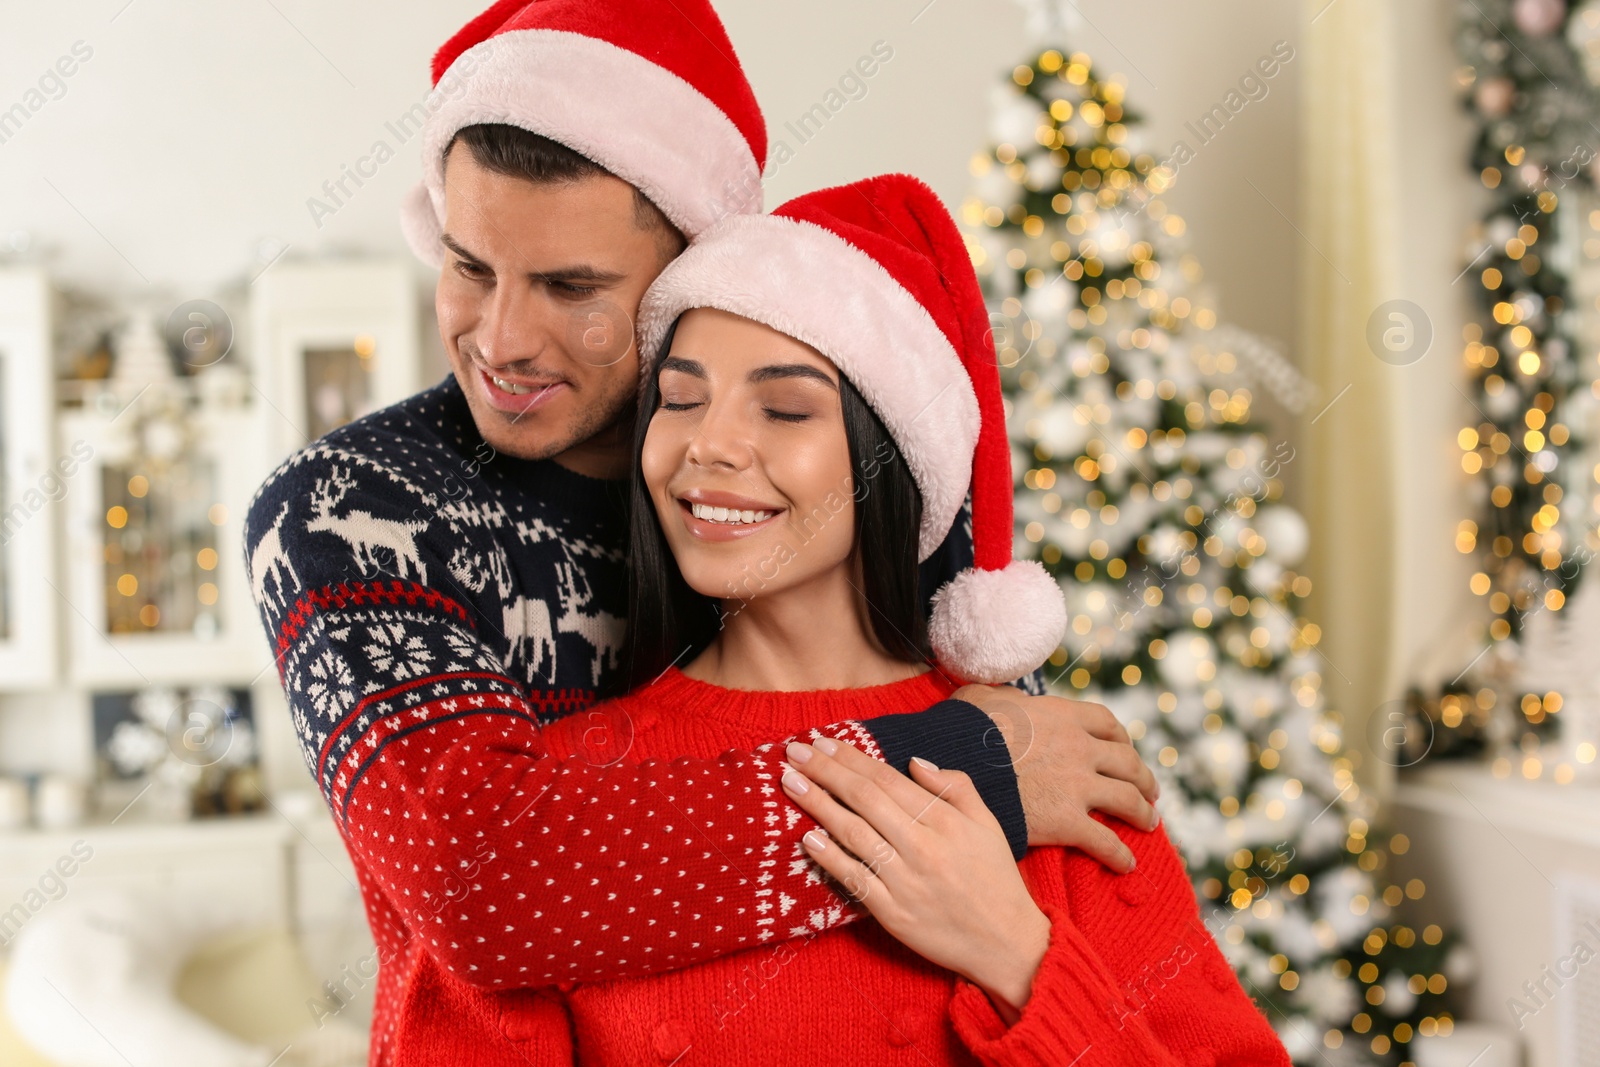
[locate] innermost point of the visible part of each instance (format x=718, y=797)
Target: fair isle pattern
x=432, y=606
x=798, y=864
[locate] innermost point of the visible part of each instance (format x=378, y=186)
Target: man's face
x=536, y=302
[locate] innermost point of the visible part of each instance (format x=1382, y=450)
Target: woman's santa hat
x=876, y=276
x=652, y=92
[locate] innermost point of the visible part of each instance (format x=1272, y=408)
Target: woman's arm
x=1166, y=997
x=1169, y=998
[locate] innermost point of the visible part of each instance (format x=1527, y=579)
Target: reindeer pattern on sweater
x=528, y=545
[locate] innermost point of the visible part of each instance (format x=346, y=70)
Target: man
x=457, y=571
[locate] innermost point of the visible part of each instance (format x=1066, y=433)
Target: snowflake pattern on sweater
x=431, y=605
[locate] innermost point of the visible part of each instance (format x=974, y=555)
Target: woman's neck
x=811, y=636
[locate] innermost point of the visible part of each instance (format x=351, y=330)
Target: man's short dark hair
x=519, y=153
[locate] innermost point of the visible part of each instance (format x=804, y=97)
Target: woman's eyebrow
x=775, y=371
x=693, y=368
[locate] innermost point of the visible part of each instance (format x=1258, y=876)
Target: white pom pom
x=421, y=225
x=996, y=626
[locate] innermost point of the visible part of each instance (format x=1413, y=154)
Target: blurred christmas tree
x=1531, y=78
x=1152, y=495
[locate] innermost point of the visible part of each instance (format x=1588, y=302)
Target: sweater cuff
x=956, y=735
x=1070, y=1009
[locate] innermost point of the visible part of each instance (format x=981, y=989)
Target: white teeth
x=728, y=515
x=514, y=390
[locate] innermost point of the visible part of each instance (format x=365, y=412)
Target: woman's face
x=746, y=458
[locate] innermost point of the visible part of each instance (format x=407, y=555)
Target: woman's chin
x=727, y=578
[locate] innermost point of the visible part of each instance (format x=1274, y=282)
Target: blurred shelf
x=284, y=867
x=1469, y=790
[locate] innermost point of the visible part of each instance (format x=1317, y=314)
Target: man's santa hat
x=652, y=92
x=876, y=277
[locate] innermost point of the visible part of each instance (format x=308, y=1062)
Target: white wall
x=191, y=135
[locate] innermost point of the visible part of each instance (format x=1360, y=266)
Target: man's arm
x=512, y=866
x=1068, y=758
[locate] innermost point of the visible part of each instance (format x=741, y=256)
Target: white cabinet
x=333, y=340
x=154, y=573
x=34, y=479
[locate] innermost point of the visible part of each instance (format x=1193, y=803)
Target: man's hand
x=1071, y=758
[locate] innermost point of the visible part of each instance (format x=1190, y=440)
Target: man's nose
x=513, y=329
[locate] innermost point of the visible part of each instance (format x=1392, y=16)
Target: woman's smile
x=711, y=515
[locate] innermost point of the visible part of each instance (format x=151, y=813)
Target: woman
x=820, y=396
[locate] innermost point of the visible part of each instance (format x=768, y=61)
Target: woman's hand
x=928, y=860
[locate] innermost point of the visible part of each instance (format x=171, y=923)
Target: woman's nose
x=723, y=438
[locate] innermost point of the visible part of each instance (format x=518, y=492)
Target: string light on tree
x=1530, y=74
x=1147, y=488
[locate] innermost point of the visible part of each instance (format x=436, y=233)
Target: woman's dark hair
x=669, y=623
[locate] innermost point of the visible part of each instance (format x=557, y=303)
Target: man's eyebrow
x=691, y=367
x=584, y=273
x=581, y=273
x=455, y=246
x=774, y=372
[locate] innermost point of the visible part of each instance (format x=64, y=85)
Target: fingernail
x=816, y=839
x=1132, y=863
x=797, y=751
x=795, y=782
x=926, y=764
x=827, y=745
x=1155, y=819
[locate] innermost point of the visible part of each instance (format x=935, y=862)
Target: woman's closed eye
x=796, y=400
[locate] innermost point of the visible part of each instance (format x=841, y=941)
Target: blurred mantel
x=1471, y=791
x=1516, y=863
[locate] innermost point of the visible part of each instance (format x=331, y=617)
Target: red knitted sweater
x=1131, y=976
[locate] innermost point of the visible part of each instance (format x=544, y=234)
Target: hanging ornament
x=1063, y=430
x=1332, y=999
x=1493, y=97
x=1264, y=577
x=1191, y=659
x=1043, y=173
x=1335, y=894
x=1538, y=18
x=996, y=187
x=1397, y=994
x=1013, y=118
x=1583, y=33
x=1285, y=532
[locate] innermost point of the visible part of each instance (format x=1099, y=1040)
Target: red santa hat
x=876, y=276
x=652, y=92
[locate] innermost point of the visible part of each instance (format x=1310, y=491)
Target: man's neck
x=605, y=455
x=595, y=462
